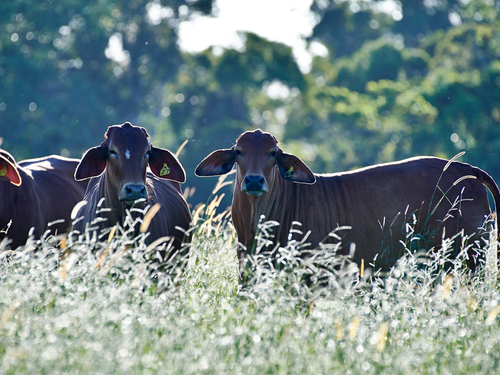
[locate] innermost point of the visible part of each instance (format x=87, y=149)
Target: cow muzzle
x=254, y=185
x=131, y=192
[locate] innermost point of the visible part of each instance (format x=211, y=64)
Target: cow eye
x=113, y=153
x=273, y=154
x=147, y=154
x=239, y=153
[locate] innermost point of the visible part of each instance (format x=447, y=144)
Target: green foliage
x=376, y=60
x=57, y=80
x=213, y=96
x=434, y=93
x=390, y=88
x=343, y=31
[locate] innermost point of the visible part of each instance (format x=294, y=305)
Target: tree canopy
x=422, y=79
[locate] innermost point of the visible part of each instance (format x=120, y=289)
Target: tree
x=60, y=79
x=420, y=80
x=215, y=98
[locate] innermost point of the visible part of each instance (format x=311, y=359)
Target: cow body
x=125, y=168
x=376, y=202
x=36, y=192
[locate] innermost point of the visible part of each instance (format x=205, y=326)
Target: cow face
x=125, y=155
x=257, y=155
x=8, y=169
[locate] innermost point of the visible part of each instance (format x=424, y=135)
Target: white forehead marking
x=127, y=153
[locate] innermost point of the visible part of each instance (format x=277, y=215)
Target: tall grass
x=105, y=304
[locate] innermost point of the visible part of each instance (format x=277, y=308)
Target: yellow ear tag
x=165, y=170
x=3, y=172
x=289, y=173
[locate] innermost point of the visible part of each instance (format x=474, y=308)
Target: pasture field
x=101, y=307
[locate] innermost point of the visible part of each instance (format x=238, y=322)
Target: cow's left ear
x=164, y=164
x=291, y=168
x=93, y=162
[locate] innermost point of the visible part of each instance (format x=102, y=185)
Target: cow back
x=381, y=204
x=48, y=193
x=57, y=189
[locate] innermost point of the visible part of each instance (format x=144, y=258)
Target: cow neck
x=112, y=201
x=267, y=204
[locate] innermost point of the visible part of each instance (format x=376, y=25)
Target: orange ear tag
x=165, y=170
x=289, y=173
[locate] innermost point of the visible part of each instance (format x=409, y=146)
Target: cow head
x=125, y=155
x=8, y=169
x=257, y=155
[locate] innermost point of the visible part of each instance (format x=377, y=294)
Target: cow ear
x=217, y=163
x=291, y=168
x=93, y=163
x=164, y=164
x=9, y=172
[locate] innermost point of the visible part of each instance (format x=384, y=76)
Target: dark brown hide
x=125, y=167
x=376, y=202
x=36, y=192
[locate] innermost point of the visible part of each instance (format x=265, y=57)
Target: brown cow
x=376, y=202
x=124, y=157
x=34, y=193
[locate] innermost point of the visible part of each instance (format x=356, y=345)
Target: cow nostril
x=254, y=180
x=254, y=184
x=136, y=189
x=134, y=192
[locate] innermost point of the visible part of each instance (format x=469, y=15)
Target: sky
x=284, y=21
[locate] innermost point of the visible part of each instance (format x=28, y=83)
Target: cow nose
x=254, y=185
x=133, y=192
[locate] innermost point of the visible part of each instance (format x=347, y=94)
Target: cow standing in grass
x=35, y=193
x=126, y=171
x=376, y=202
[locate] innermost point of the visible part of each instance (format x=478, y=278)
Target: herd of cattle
x=381, y=209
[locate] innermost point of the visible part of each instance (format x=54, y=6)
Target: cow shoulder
x=174, y=210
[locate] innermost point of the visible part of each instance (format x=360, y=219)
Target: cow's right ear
x=217, y=163
x=291, y=168
x=93, y=163
x=164, y=164
x=9, y=172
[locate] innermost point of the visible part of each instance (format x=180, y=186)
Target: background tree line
x=423, y=81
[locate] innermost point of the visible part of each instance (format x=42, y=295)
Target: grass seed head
x=492, y=315
x=148, y=217
x=448, y=282
x=353, y=327
x=339, y=330
x=382, y=337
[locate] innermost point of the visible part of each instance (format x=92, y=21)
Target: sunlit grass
x=107, y=304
